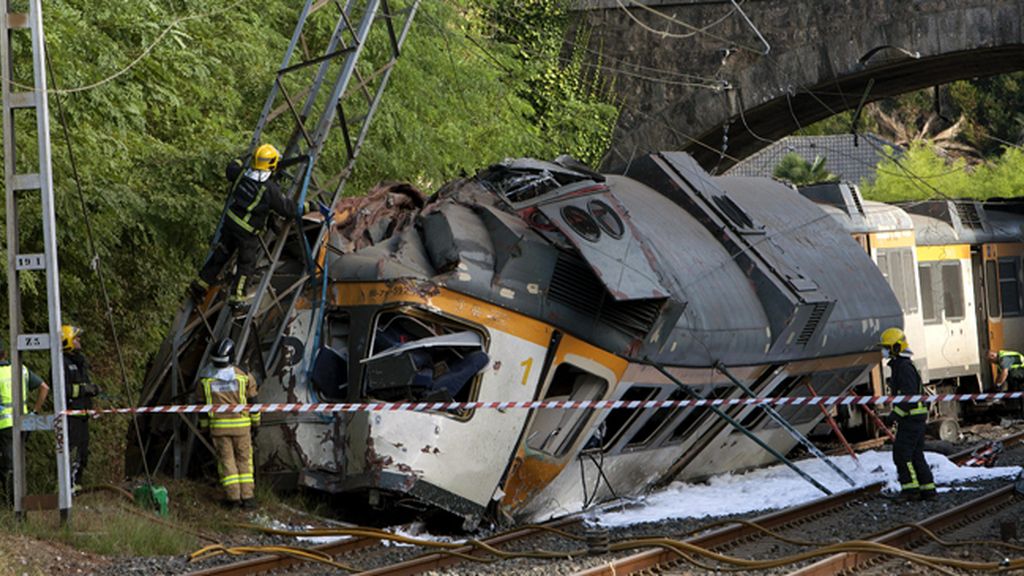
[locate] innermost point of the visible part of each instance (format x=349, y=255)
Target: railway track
x=665, y=559
x=908, y=537
x=362, y=552
x=356, y=550
x=734, y=534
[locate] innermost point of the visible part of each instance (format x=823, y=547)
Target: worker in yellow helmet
x=80, y=391
x=254, y=194
x=915, y=477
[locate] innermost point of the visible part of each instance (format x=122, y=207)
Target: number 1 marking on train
x=526, y=364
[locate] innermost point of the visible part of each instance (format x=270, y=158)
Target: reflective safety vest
x=1018, y=358
x=235, y=390
x=7, y=396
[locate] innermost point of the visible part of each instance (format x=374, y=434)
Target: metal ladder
x=27, y=172
x=322, y=102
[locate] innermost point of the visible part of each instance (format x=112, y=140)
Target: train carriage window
x=930, y=294
x=692, y=417
x=554, y=431
x=656, y=422
x=832, y=383
x=952, y=291
x=1009, y=286
x=992, y=289
x=619, y=419
x=330, y=367
x=897, y=266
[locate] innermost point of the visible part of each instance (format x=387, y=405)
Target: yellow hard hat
x=894, y=339
x=265, y=158
x=68, y=333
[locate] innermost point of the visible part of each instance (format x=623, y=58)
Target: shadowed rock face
x=721, y=93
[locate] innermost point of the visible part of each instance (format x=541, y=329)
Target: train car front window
x=419, y=357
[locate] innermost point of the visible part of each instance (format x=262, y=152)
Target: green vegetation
x=922, y=173
x=159, y=95
x=103, y=524
x=793, y=168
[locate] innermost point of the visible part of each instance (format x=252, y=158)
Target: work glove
x=90, y=390
x=889, y=419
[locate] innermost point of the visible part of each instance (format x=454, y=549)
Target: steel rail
x=731, y=534
x=418, y=565
x=438, y=560
x=905, y=536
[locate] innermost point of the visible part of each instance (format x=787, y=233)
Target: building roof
x=852, y=163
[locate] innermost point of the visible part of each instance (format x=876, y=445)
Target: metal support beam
x=746, y=432
x=774, y=415
x=41, y=183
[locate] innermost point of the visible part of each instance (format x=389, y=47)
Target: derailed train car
x=537, y=280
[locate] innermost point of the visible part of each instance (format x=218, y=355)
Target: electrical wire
x=95, y=262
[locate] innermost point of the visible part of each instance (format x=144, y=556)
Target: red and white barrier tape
x=271, y=408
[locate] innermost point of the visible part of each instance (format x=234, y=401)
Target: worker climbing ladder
x=320, y=106
x=28, y=181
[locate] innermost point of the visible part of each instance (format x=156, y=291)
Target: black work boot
x=928, y=494
x=249, y=504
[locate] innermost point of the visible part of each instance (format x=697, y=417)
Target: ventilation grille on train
x=575, y=286
x=969, y=216
x=812, y=323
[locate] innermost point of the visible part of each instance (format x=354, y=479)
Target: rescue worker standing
x=29, y=381
x=252, y=197
x=1011, y=369
x=224, y=383
x=915, y=477
x=80, y=392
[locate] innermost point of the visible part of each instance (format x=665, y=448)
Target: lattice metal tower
x=28, y=181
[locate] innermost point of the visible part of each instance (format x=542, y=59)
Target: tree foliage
x=160, y=94
x=923, y=174
x=793, y=168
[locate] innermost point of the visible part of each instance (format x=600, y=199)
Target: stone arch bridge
x=721, y=79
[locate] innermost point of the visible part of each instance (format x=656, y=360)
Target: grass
x=105, y=522
x=108, y=525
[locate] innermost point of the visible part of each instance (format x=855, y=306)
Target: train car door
x=1007, y=331
x=986, y=303
x=579, y=372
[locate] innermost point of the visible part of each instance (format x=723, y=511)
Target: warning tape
x=271, y=408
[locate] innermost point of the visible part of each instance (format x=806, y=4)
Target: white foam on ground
x=780, y=487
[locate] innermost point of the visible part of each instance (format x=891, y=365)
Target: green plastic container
x=152, y=498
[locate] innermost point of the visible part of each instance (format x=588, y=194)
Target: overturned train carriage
x=538, y=280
